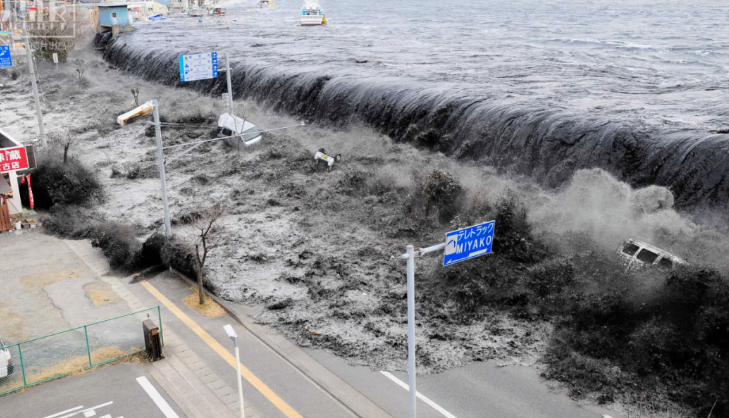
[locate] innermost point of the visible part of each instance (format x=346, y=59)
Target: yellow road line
x=215, y=345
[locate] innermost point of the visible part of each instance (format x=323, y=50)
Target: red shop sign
x=13, y=159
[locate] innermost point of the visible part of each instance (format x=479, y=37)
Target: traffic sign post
x=204, y=67
x=463, y=244
x=198, y=66
x=468, y=243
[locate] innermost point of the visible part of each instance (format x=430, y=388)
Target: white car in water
x=236, y=131
x=638, y=253
x=6, y=362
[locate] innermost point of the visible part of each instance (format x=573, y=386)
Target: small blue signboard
x=468, y=243
x=198, y=66
x=5, y=59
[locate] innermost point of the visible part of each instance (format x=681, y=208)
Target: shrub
x=56, y=183
x=118, y=242
x=179, y=255
x=441, y=192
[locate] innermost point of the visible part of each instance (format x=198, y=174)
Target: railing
x=74, y=350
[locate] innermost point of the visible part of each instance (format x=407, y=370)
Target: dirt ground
x=320, y=250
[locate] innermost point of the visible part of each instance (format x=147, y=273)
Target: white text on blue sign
x=468, y=243
x=5, y=59
x=198, y=66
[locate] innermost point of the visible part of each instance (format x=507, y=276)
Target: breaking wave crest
x=547, y=144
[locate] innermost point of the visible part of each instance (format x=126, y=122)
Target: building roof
x=4, y=186
x=166, y=3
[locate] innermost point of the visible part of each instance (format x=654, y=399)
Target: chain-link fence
x=63, y=353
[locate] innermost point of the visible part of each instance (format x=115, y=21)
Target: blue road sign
x=468, y=243
x=5, y=59
x=198, y=66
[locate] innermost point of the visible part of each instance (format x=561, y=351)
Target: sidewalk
x=186, y=378
x=280, y=380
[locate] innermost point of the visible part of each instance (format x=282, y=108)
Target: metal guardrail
x=74, y=350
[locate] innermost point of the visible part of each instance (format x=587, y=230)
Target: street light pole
x=233, y=336
x=411, y=329
x=161, y=165
x=38, y=110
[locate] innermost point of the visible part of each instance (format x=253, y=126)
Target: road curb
x=340, y=391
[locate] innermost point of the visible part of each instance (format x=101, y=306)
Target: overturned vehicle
x=237, y=131
x=640, y=254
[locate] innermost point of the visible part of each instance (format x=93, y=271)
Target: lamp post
x=233, y=336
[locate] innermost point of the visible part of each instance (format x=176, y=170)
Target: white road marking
x=85, y=411
x=157, y=398
x=64, y=412
x=419, y=395
x=89, y=414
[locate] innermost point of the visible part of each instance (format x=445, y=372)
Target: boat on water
x=196, y=12
x=265, y=3
x=217, y=11
x=312, y=14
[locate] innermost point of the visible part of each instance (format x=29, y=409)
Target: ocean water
x=542, y=88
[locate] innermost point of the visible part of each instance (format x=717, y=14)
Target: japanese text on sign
x=12, y=159
x=198, y=66
x=5, y=59
x=470, y=242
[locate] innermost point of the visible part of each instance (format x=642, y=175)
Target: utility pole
x=230, y=100
x=39, y=111
x=161, y=165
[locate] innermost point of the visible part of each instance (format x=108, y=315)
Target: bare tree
x=135, y=93
x=206, y=236
x=64, y=139
x=80, y=72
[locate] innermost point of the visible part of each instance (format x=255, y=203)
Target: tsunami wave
x=546, y=144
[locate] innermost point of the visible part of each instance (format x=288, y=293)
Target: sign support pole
x=161, y=165
x=230, y=88
x=230, y=96
x=39, y=111
x=463, y=244
x=411, y=329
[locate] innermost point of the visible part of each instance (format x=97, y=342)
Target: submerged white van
x=637, y=253
x=6, y=362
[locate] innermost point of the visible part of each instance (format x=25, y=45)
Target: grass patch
x=101, y=293
x=209, y=309
x=78, y=365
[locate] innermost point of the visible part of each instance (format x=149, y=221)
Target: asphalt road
x=110, y=392
x=479, y=390
x=303, y=396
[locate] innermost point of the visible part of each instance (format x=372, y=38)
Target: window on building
x=113, y=15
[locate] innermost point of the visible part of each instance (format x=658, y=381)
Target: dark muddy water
x=540, y=88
